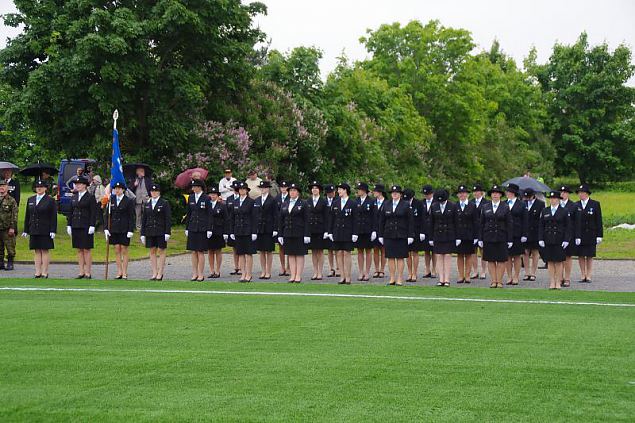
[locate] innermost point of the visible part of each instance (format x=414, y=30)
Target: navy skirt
x=396, y=247
x=342, y=246
x=244, y=245
x=517, y=248
x=156, y=242
x=41, y=242
x=265, y=242
x=216, y=242
x=196, y=241
x=553, y=253
x=318, y=242
x=295, y=246
x=586, y=250
x=443, y=247
x=363, y=241
x=81, y=239
x=118, y=239
x=495, y=251
x=466, y=247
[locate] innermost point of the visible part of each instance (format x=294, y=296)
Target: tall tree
x=166, y=66
x=592, y=112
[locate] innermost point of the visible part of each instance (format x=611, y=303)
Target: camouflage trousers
x=7, y=242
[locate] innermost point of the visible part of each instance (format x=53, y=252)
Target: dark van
x=68, y=170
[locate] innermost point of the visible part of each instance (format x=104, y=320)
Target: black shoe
x=37, y=276
x=80, y=276
x=88, y=276
x=44, y=276
x=9, y=264
x=153, y=278
x=429, y=275
x=235, y=272
x=119, y=277
x=159, y=279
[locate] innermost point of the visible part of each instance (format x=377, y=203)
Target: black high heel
x=159, y=279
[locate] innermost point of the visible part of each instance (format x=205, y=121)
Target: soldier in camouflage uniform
x=8, y=225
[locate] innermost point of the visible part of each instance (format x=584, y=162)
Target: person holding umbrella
x=12, y=184
x=244, y=231
x=40, y=225
x=532, y=253
x=295, y=231
x=156, y=229
x=395, y=231
x=119, y=227
x=267, y=215
x=197, y=228
x=219, y=222
x=554, y=235
x=467, y=218
x=588, y=231
x=496, y=235
x=80, y=225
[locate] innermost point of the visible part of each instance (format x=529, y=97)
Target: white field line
x=316, y=294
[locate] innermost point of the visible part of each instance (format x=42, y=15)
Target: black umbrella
x=36, y=169
x=524, y=182
x=130, y=170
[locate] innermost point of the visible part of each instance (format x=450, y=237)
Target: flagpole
x=115, y=116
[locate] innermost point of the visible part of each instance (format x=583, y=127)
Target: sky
x=335, y=26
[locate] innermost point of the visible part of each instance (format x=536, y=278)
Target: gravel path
x=609, y=275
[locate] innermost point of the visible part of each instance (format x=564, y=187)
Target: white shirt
x=443, y=206
x=292, y=203
x=379, y=203
x=428, y=204
x=315, y=200
x=343, y=201
x=495, y=206
x=563, y=203
x=362, y=199
x=329, y=201
x=394, y=205
x=530, y=204
x=197, y=196
x=38, y=198
x=477, y=201
x=263, y=198
x=511, y=202
x=584, y=203
x=80, y=195
x=154, y=202
x=225, y=187
x=553, y=210
x=119, y=198
x=241, y=199
x=213, y=203
x=463, y=204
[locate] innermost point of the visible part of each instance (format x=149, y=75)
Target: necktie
x=495, y=207
x=509, y=202
x=553, y=211
x=462, y=206
x=37, y=200
x=394, y=206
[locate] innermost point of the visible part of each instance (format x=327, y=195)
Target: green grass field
x=616, y=207
x=135, y=356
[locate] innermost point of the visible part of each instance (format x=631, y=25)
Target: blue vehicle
x=68, y=170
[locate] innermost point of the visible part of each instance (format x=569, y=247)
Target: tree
x=591, y=110
x=166, y=66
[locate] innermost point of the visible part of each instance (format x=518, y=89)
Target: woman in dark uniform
x=197, y=228
x=496, y=231
x=40, y=224
x=395, y=232
x=267, y=214
x=532, y=253
x=81, y=225
x=230, y=208
x=519, y=219
x=244, y=230
x=318, y=212
x=379, y=252
x=418, y=245
x=343, y=230
x=571, y=250
x=294, y=227
x=119, y=227
x=365, y=213
x=280, y=200
x=329, y=191
x=554, y=235
x=467, y=219
x=156, y=229
x=588, y=231
x=443, y=234
x=218, y=223
x=478, y=200
x=429, y=258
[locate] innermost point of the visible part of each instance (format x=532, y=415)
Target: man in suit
x=343, y=230
x=571, y=250
x=267, y=215
x=141, y=187
x=532, y=253
x=588, y=231
x=156, y=229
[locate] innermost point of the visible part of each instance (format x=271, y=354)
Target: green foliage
x=591, y=112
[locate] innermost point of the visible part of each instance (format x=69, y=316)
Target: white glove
x=326, y=235
x=275, y=234
x=209, y=234
x=523, y=239
x=422, y=237
x=91, y=230
x=143, y=239
x=69, y=231
x=106, y=233
x=331, y=237
x=233, y=237
x=541, y=244
x=457, y=242
x=565, y=245
x=431, y=242
x=598, y=240
x=509, y=245
x=52, y=235
x=578, y=241
x=307, y=239
x=187, y=233
x=354, y=238
x=480, y=244
x=225, y=237
x=24, y=234
x=280, y=240
x=373, y=236
x=475, y=241
x=129, y=235
x=254, y=237
x=166, y=237
x=381, y=240
x=410, y=241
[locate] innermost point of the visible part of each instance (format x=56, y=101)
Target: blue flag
x=116, y=169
